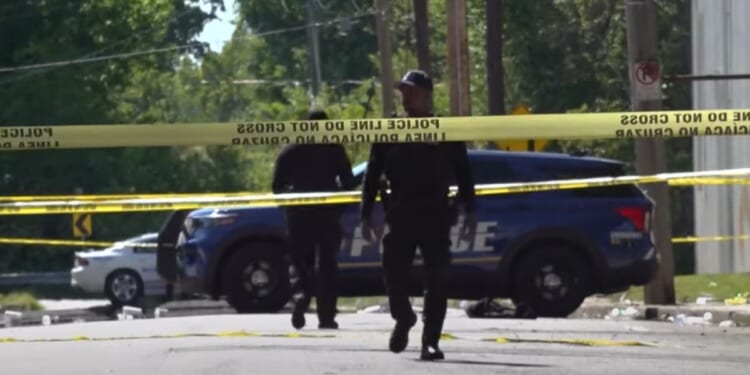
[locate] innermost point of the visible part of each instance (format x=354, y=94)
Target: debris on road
x=739, y=299
x=629, y=312
x=488, y=308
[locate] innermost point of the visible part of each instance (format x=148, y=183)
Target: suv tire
x=255, y=278
x=553, y=281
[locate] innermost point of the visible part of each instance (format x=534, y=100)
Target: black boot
x=400, y=334
x=431, y=352
x=298, y=314
x=328, y=324
x=430, y=339
x=298, y=319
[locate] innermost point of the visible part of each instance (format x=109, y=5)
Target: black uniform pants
x=314, y=231
x=430, y=232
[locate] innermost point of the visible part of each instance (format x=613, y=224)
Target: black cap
x=317, y=114
x=416, y=78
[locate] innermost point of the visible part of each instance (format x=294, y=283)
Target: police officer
x=419, y=214
x=313, y=168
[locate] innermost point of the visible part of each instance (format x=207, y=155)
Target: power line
x=304, y=27
x=294, y=82
x=93, y=59
x=167, y=49
x=107, y=47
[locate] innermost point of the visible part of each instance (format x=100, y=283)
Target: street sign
x=82, y=225
x=521, y=144
x=647, y=82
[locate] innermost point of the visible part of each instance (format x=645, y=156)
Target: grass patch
x=19, y=300
x=50, y=292
x=689, y=287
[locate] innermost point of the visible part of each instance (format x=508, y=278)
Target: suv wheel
x=255, y=278
x=552, y=281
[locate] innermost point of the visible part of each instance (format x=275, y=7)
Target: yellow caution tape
x=709, y=181
x=271, y=200
x=682, y=181
x=736, y=301
x=710, y=238
x=76, y=243
x=105, y=197
x=93, y=244
x=460, y=128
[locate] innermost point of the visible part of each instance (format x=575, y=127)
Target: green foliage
x=22, y=301
x=134, y=90
x=559, y=56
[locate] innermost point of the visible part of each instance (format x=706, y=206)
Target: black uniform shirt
x=419, y=175
x=312, y=168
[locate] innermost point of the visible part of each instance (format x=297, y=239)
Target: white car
x=123, y=272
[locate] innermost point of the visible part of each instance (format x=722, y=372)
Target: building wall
x=721, y=37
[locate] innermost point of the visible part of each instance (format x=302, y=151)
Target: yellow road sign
x=82, y=225
x=521, y=144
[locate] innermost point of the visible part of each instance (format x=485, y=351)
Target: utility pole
x=458, y=58
x=421, y=23
x=495, y=74
x=494, y=48
x=645, y=88
x=313, y=41
x=382, y=27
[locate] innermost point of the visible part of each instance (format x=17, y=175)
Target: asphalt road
x=244, y=344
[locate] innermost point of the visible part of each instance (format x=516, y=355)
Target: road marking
x=296, y=335
x=167, y=336
x=580, y=342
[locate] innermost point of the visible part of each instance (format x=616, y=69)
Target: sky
x=219, y=31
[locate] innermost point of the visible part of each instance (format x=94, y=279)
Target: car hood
x=241, y=211
x=97, y=253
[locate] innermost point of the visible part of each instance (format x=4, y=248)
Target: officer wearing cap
x=313, y=168
x=419, y=215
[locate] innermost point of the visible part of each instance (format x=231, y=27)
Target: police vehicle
x=547, y=249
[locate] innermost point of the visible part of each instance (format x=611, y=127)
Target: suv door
x=166, y=252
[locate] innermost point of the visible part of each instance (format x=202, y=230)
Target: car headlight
x=190, y=225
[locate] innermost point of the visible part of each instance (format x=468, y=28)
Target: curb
x=739, y=314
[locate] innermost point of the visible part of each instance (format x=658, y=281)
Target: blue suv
x=546, y=249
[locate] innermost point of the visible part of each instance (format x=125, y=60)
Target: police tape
x=325, y=198
x=709, y=181
x=624, y=125
x=297, y=335
x=105, y=197
x=692, y=239
x=687, y=181
x=73, y=243
x=105, y=244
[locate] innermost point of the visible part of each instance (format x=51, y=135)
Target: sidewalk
x=603, y=308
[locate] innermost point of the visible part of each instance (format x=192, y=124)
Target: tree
x=89, y=93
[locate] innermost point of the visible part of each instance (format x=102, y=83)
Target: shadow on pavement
x=482, y=363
